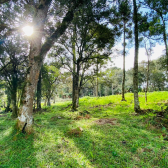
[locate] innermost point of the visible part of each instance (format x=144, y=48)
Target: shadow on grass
x=88, y=150
x=16, y=150
x=115, y=146
x=98, y=146
x=98, y=150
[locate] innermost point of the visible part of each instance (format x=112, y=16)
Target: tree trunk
x=75, y=102
x=45, y=102
x=147, y=78
x=75, y=92
x=97, y=78
x=39, y=93
x=7, y=109
x=19, y=93
x=14, y=92
x=25, y=116
x=14, y=104
x=112, y=89
x=106, y=91
x=48, y=101
x=135, y=74
x=165, y=40
x=54, y=99
x=123, y=80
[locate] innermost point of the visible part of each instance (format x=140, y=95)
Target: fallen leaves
x=87, y=116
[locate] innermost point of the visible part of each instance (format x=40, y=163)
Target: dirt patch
x=87, y=116
x=111, y=121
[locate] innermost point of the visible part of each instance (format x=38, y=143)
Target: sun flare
x=28, y=30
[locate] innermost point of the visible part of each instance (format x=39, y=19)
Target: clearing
x=104, y=133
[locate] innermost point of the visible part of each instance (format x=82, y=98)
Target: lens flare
x=28, y=30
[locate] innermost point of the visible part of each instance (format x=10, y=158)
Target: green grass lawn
x=123, y=140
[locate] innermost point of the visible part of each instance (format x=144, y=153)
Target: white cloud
x=158, y=50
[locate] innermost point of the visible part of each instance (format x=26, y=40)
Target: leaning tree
x=46, y=32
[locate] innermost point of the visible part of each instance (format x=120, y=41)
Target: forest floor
x=104, y=133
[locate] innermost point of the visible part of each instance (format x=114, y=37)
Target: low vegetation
x=104, y=133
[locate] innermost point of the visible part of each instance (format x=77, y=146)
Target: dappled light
x=121, y=138
x=83, y=84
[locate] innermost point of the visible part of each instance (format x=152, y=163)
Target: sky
x=158, y=50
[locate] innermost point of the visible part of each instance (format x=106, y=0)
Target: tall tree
x=159, y=10
x=89, y=38
x=125, y=13
x=37, y=53
x=13, y=61
x=135, y=74
x=148, y=53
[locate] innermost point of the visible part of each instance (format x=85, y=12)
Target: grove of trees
x=70, y=53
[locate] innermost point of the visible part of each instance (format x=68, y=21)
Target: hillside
x=103, y=133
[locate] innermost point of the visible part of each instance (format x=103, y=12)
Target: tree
x=135, y=74
x=13, y=61
x=148, y=53
x=37, y=53
x=50, y=75
x=113, y=79
x=4, y=1
x=159, y=9
x=125, y=12
x=158, y=76
x=89, y=38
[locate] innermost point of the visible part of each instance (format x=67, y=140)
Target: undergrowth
x=104, y=133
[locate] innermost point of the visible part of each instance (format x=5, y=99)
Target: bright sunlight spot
x=28, y=30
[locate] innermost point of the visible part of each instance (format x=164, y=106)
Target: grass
x=130, y=140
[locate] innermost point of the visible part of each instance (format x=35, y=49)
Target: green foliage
x=103, y=36
x=158, y=16
x=50, y=75
x=130, y=140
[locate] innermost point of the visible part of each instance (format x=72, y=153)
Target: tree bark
x=75, y=102
x=147, y=78
x=14, y=103
x=39, y=93
x=165, y=39
x=112, y=89
x=7, y=109
x=48, y=101
x=97, y=69
x=135, y=74
x=14, y=93
x=123, y=80
x=74, y=72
